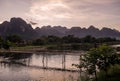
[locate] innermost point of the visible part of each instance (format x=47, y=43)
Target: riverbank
x=39, y=49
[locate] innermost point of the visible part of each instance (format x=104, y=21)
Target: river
x=44, y=66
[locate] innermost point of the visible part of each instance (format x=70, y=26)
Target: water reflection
x=24, y=67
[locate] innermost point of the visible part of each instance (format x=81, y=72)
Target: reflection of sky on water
x=54, y=60
x=21, y=72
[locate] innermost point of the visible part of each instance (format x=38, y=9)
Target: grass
x=26, y=48
x=112, y=75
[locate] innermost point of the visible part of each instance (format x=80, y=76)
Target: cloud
x=13, y=8
x=0, y=22
x=64, y=12
x=80, y=10
x=49, y=9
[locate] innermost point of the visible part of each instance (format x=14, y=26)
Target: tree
x=53, y=40
x=89, y=39
x=1, y=42
x=14, y=38
x=71, y=39
x=107, y=57
x=100, y=58
x=39, y=41
x=6, y=44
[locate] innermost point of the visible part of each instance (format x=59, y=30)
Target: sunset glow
x=64, y=12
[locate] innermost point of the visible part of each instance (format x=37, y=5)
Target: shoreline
x=28, y=51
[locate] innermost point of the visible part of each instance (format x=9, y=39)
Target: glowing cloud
x=52, y=9
x=64, y=12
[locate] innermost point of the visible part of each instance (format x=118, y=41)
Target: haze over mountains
x=20, y=27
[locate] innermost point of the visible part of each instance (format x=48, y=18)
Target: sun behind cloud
x=52, y=9
x=101, y=13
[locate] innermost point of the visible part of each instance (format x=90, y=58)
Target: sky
x=69, y=13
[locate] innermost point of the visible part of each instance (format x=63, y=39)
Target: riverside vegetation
x=69, y=42
x=100, y=64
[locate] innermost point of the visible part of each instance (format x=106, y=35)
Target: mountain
x=48, y=30
x=20, y=27
x=61, y=29
x=78, y=31
x=107, y=32
x=93, y=31
x=82, y=32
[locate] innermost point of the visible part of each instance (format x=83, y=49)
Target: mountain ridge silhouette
x=22, y=28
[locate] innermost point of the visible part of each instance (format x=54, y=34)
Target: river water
x=38, y=67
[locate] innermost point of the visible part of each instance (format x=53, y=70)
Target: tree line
x=67, y=42
x=71, y=39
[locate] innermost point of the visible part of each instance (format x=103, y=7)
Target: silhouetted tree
x=71, y=39
x=6, y=44
x=1, y=42
x=14, y=39
x=39, y=41
x=89, y=39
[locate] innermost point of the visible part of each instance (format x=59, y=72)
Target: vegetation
x=112, y=74
x=100, y=60
x=69, y=42
x=73, y=43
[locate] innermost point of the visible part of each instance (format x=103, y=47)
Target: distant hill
x=78, y=31
x=20, y=27
x=48, y=30
x=93, y=31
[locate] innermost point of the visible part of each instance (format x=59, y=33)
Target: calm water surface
x=30, y=67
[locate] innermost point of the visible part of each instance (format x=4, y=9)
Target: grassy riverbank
x=42, y=49
x=112, y=74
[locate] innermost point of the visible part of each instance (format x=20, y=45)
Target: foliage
x=107, y=57
x=112, y=75
x=106, y=39
x=89, y=39
x=77, y=43
x=14, y=38
x=1, y=42
x=69, y=42
x=6, y=44
x=101, y=58
x=38, y=42
x=47, y=40
x=71, y=39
